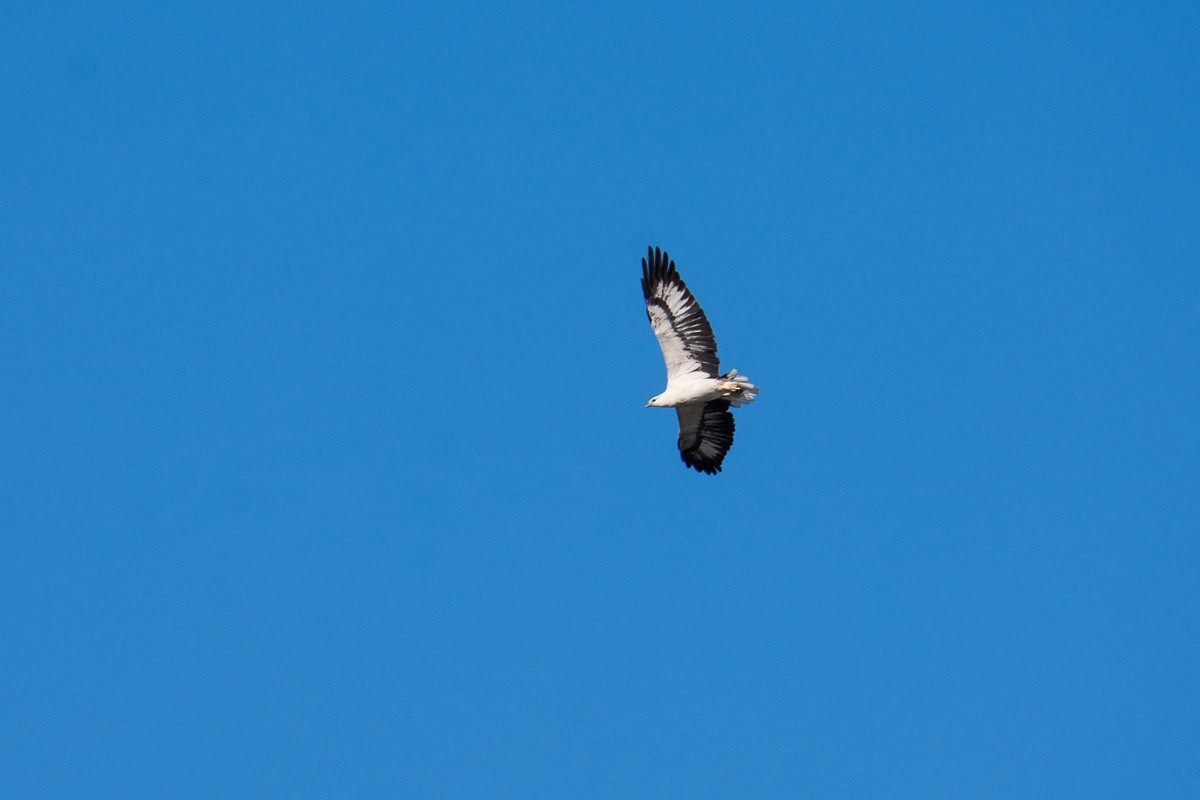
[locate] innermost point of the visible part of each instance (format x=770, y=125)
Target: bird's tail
x=740, y=390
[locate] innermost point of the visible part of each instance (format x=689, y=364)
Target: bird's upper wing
x=683, y=331
x=705, y=435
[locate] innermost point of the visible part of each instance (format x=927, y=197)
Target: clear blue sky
x=326, y=471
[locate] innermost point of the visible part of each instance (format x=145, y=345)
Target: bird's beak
x=647, y=405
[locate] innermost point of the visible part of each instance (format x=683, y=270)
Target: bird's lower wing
x=705, y=435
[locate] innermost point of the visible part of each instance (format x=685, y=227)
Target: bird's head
x=654, y=401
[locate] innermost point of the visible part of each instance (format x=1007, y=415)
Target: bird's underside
x=695, y=388
x=699, y=389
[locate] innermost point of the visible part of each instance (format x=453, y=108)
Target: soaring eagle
x=695, y=388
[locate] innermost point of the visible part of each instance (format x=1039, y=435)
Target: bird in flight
x=695, y=388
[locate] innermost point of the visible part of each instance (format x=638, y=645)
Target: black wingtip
x=658, y=263
x=653, y=272
x=707, y=468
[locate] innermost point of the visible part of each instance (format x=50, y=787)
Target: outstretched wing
x=683, y=331
x=705, y=435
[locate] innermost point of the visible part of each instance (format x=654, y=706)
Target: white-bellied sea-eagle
x=696, y=389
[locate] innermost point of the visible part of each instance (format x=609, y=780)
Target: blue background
x=326, y=471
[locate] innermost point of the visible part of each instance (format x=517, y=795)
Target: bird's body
x=695, y=388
